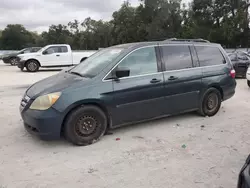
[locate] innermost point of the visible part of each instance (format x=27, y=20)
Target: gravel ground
x=180, y=152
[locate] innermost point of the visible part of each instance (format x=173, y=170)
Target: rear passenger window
x=209, y=56
x=64, y=49
x=176, y=57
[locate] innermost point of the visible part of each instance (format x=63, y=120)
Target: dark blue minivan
x=129, y=83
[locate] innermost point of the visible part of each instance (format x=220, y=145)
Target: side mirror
x=45, y=52
x=122, y=72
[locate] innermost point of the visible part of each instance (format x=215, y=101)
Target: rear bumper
x=229, y=90
x=44, y=124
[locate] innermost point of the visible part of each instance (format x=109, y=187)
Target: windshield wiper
x=76, y=73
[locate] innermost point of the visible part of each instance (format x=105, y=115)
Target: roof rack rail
x=188, y=40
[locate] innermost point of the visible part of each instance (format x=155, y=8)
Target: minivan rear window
x=176, y=57
x=209, y=56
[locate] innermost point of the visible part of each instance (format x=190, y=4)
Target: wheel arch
x=97, y=103
x=83, y=59
x=32, y=59
x=218, y=87
x=11, y=57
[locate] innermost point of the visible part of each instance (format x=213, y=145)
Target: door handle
x=154, y=80
x=172, y=78
x=57, y=55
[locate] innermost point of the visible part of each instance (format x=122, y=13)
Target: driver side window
x=51, y=50
x=140, y=62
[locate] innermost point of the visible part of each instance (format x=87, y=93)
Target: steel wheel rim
x=212, y=102
x=32, y=66
x=86, y=125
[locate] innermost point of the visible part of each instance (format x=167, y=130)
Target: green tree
x=221, y=21
x=57, y=34
x=15, y=37
x=125, y=25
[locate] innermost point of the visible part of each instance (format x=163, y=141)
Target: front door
x=183, y=78
x=56, y=56
x=138, y=96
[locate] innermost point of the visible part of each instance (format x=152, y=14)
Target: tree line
x=221, y=21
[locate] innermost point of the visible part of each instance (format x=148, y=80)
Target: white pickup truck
x=51, y=56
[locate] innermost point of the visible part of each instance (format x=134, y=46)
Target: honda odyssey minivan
x=126, y=84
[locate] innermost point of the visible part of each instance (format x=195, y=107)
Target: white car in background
x=248, y=76
x=51, y=56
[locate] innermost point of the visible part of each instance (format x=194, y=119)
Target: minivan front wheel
x=211, y=102
x=85, y=125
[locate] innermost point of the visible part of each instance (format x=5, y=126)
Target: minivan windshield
x=93, y=65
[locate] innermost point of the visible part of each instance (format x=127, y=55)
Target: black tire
x=85, y=125
x=210, y=103
x=248, y=83
x=32, y=66
x=13, y=61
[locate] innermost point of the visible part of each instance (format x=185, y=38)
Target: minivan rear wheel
x=210, y=103
x=85, y=125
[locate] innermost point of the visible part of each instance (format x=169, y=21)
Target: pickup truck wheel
x=32, y=66
x=210, y=103
x=85, y=125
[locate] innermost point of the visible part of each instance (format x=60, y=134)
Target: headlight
x=45, y=102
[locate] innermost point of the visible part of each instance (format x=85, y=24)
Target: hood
x=56, y=83
x=28, y=54
x=9, y=55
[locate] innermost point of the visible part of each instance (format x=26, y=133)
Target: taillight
x=232, y=73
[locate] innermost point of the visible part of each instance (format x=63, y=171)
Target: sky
x=38, y=15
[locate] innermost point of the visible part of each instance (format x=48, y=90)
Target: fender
x=95, y=102
x=33, y=60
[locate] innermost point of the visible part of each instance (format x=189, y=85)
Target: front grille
x=30, y=128
x=25, y=100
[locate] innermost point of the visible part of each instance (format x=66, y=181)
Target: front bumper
x=21, y=64
x=44, y=124
x=244, y=176
x=6, y=60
